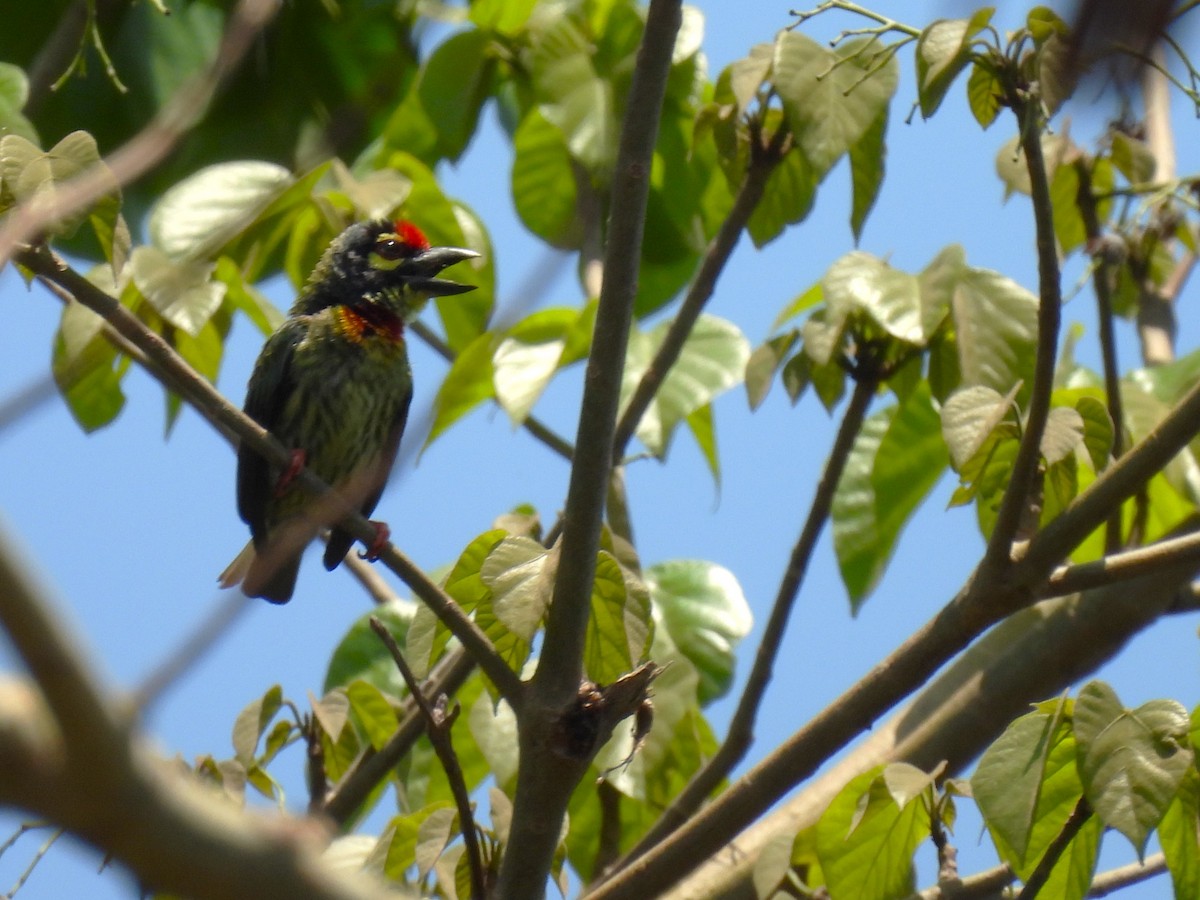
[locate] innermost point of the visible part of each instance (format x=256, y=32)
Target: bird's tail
x=271, y=576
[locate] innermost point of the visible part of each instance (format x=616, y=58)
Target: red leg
x=383, y=535
x=295, y=467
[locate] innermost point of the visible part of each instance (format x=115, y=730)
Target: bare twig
x=373, y=766
x=33, y=862
x=1122, y=566
x=437, y=725
x=193, y=388
x=1123, y=876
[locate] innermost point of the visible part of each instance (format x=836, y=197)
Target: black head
x=384, y=261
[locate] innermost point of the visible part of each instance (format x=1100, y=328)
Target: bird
x=333, y=383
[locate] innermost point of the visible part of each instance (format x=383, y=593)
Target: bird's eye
x=390, y=248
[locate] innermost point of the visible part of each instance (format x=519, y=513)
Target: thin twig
x=740, y=734
x=33, y=862
x=437, y=725
x=1123, y=876
x=170, y=367
x=1121, y=566
x=373, y=766
x=1015, y=502
x=1058, y=846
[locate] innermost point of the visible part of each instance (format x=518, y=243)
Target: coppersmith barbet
x=334, y=384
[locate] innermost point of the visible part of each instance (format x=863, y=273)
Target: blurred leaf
x=1179, y=834
x=787, y=199
x=1064, y=432
x=764, y=363
x=703, y=426
x=968, y=417
x=265, y=315
x=995, y=323
x=433, y=835
x=332, y=711
x=86, y=368
x=193, y=219
x=1011, y=165
x=30, y=176
x=703, y=609
x=506, y=17
x=746, y=75
x=453, y=84
x=1133, y=158
x=182, y=292
x=14, y=91
x=520, y=572
x=252, y=721
x=984, y=93
x=867, y=156
x=814, y=296
x=1098, y=430
x=372, y=712
x=1131, y=761
x=469, y=382
x=943, y=49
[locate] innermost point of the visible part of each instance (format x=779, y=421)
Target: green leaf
x=984, y=93
x=619, y=629
x=746, y=75
x=535, y=348
x=814, y=296
x=1131, y=761
x=1026, y=786
x=193, y=219
x=1133, y=158
x=453, y=84
x=494, y=727
x=1098, y=430
x=469, y=382
x=332, y=711
x=361, y=655
x=252, y=721
x=968, y=417
x=520, y=573
x=28, y=175
x=764, y=363
x=866, y=171
x=243, y=296
x=703, y=609
x=372, y=711
x=182, y=292
x=703, y=427
x=86, y=368
x=712, y=360
x=1179, y=834
x=860, y=282
x=543, y=183
x=865, y=842
x=1058, y=71
x=995, y=323
x=506, y=17
x=395, y=853
x=830, y=106
x=1011, y=166
x=787, y=199
x=943, y=49
x=432, y=837
x=14, y=91
x=896, y=460
x=1044, y=23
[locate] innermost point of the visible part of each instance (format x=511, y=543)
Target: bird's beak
x=419, y=271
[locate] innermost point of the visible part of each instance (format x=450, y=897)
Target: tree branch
x=1058, y=846
x=1121, y=566
x=437, y=725
x=170, y=367
x=545, y=777
x=1016, y=497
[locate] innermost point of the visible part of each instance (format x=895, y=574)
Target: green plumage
x=334, y=382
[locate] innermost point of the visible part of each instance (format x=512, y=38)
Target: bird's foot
x=295, y=467
x=383, y=536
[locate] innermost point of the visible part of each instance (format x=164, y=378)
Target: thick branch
x=545, y=778
x=741, y=729
x=171, y=367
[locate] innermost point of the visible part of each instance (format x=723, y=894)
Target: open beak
x=421, y=269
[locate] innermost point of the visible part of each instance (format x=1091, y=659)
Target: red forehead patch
x=411, y=234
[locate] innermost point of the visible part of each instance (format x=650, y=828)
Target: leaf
x=331, y=712
x=1064, y=432
x=494, y=727
x=984, y=93
x=712, y=360
x=204, y=211
x=1133, y=158
x=995, y=323
x=787, y=199
x=453, y=85
x=31, y=176
x=1011, y=166
x=506, y=17
x=372, y=711
x=764, y=363
x=86, y=368
x=746, y=75
x=865, y=842
x=701, y=424
x=252, y=721
x=361, y=655
x=1179, y=834
x=860, y=282
x=943, y=49
x=703, y=609
x=1026, y=786
x=433, y=835
x=814, y=296
x=14, y=91
x=1098, y=431
x=520, y=572
x=830, y=106
x=182, y=292
x=469, y=382
x=866, y=172
x=895, y=462
x=1131, y=761
x=969, y=416
x=543, y=183
x=619, y=628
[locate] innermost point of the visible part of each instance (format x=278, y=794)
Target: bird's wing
x=270, y=385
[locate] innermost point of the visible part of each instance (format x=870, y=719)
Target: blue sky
x=129, y=530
